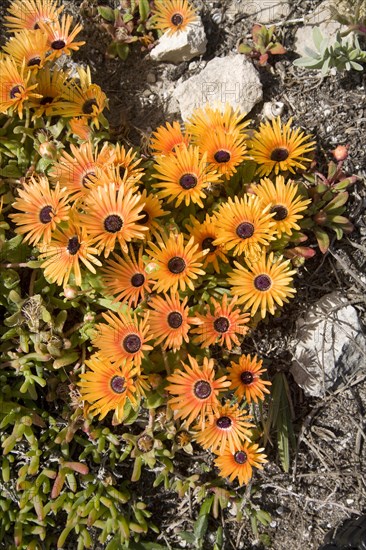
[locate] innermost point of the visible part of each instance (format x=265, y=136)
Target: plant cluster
x=264, y=45
x=128, y=287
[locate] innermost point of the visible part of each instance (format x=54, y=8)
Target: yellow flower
x=15, y=88
x=42, y=208
x=284, y=201
x=29, y=47
x=62, y=256
x=27, y=14
x=50, y=87
x=173, y=15
x=207, y=119
x=165, y=138
x=111, y=216
x=184, y=176
x=177, y=264
x=204, y=235
x=224, y=151
x=265, y=283
x=279, y=148
x=244, y=225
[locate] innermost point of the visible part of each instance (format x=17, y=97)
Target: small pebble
x=150, y=78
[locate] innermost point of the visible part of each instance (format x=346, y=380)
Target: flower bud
x=70, y=292
x=321, y=217
x=48, y=150
x=340, y=153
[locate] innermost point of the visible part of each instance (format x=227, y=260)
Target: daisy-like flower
x=205, y=234
x=195, y=389
x=151, y=212
x=244, y=225
x=110, y=216
x=76, y=170
x=165, y=138
x=83, y=99
x=29, y=47
x=127, y=165
x=222, y=326
x=41, y=210
x=284, y=201
x=15, y=88
x=176, y=263
x=107, y=387
x=111, y=174
x=122, y=339
x=173, y=15
x=50, y=86
x=61, y=37
x=265, y=283
x=239, y=463
x=280, y=148
x=67, y=248
x=127, y=278
x=207, y=119
x=169, y=321
x=224, y=151
x=228, y=425
x=184, y=176
x=246, y=380
x=27, y=14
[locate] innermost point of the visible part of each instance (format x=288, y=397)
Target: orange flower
x=222, y=326
x=239, y=463
x=165, y=138
x=246, y=380
x=196, y=390
x=169, y=321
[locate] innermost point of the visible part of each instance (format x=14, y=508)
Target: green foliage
x=344, y=54
x=264, y=45
x=351, y=13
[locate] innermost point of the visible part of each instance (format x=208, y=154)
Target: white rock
x=329, y=345
x=261, y=11
x=321, y=18
x=231, y=79
x=181, y=46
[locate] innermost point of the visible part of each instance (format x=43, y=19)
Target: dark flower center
x=246, y=377
x=222, y=156
x=281, y=212
x=35, y=26
x=177, y=19
x=73, y=246
x=224, y=422
x=45, y=214
x=262, y=282
x=15, y=90
x=113, y=223
x=118, y=384
x=279, y=154
x=86, y=179
x=207, y=243
x=88, y=106
x=132, y=343
x=175, y=319
x=45, y=100
x=58, y=44
x=221, y=324
x=202, y=389
x=245, y=230
x=137, y=280
x=145, y=443
x=240, y=457
x=188, y=181
x=176, y=265
x=34, y=61
x=145, y=217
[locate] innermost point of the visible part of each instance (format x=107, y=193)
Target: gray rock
x=231, y=79
x=181, y=46
x=321, y=18
x=261, y=11
x=330, y=345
